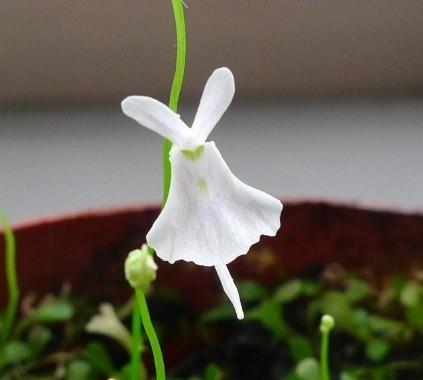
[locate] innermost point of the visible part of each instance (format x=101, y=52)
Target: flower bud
x=327, y=323
x=140, y=268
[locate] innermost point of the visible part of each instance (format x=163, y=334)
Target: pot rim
x=139, y=207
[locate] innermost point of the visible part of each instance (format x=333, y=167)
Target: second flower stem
x=12, y=280
x=327, y=323
x=151, y=334
x=324, y=362
x=136, y=344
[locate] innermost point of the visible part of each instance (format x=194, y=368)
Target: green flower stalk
x=137, y=343
x=12, y=279
x=140, y=271
x=327, y=323
x=139, y=268
x=151, y=334
x=178, y=78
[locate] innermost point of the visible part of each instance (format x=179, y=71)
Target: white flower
x=210, y=216
x=140, y=268
x=107, y=323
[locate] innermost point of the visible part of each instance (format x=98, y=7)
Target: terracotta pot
x=88, y=249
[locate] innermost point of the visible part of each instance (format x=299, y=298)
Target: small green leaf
x=126, y=372
x=410, y=294
x=56, y=311
x=250, y=291
x=99, y=358
x=310, y=288
x=213, y=372
x=313, y=311
x=269, y=313
x=377, y=349
x=288, y=291
x=387, y=327
x=291, y=375
x=336, y=304
x=357, y=290
x=397, y=284
x=414, y=315
x=38, y=339
x=382, y=373
x=300, y=347
x=348, y=376
x=360, y=317
x=78, y=370
x=308, y=369
x=360, y=323
x=14, y=352
x=219, y=313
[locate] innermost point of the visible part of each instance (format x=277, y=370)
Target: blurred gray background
x=329, y=99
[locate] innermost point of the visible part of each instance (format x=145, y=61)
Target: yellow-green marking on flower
x=202, y=184
x=195, y=154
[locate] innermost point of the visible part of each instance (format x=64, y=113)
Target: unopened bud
x=327, y=323
x=140, y=268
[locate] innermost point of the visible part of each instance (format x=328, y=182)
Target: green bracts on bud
x=140, y=268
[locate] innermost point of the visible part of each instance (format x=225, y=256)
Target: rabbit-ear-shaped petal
x=216, y=98
x=210, y=216
x=158, y=117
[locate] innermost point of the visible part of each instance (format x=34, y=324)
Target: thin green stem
x=175, y=92
x=178, y=78
x=136, y=344
x=324, y=355
x=181, y=48
x=12, y=279
x=151, y=334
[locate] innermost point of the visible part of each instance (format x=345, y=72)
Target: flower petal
x=230, y=289
x=210, y=217
x=107, y=323
x=216, y=98
x=158, y=117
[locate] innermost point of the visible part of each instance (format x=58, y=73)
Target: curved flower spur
x=210, y=216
